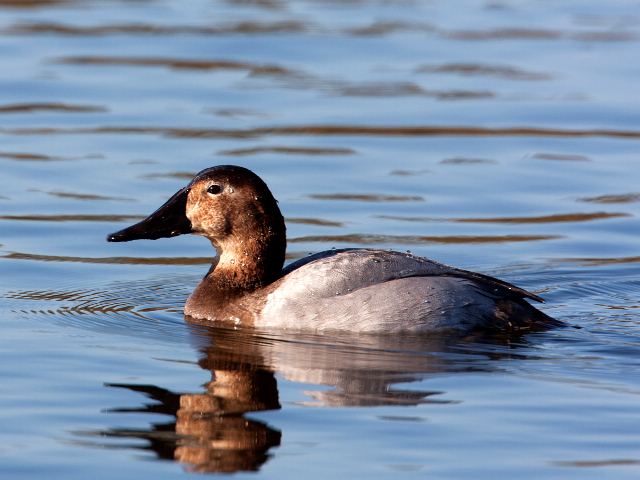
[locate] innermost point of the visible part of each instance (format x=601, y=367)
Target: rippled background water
x=499, y=136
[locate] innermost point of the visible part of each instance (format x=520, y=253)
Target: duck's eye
x=214, y=189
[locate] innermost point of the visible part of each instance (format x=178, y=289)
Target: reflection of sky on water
x=502, y=140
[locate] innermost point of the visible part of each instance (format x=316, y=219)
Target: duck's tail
x=521, y=316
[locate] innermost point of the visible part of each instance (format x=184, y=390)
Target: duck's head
x=229, y=205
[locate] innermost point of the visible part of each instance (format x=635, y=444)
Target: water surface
x=501, y=137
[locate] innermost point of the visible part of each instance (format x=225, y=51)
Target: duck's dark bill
x=168, y=221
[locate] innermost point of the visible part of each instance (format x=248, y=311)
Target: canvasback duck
x=360, y=290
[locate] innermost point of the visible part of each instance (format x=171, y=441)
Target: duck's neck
x=249, y=261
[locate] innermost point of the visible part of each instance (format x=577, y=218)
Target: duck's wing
x=345, y=270
x=500, y=286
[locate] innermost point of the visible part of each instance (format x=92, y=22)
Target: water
x=496, y=136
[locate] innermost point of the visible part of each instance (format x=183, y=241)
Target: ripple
x=111, y=260
x=330, y=130
x=149, y=308
x=371, y=239
x=617, y=198
x=235, y=112
x=622, y=307
x=605, y=36
x=239, y=152
x=563, y=157
x=73, y=218
x=556, y=218
x=403, y=89
x=178, y=175
x=505, y=33
x=597, y=463
x=315, y=221
x=515, y=33
x=40, y=157
x=402, y=418
x=366, y=197
x=380, y=89
x=182, y=261
x=88, y=196
x=391, y=131
x=50, y=107
x=466, y=161
x=387, y=27
x=245, y=28
x=380, y=28
x=264, y=4
x=30, y=157
x=408, y=173
x=179, y=64
x=480, y=69
x=143, y=161
x=461, y=94
x=594, y=261
x=31, y=3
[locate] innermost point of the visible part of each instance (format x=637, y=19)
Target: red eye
x=214, y=189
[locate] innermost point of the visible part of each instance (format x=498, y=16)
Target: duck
x=351, y=289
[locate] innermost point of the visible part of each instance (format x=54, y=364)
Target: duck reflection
x=360, y=369
x=203, y=435
x=210, y=433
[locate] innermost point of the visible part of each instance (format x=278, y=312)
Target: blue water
x=500, y=137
